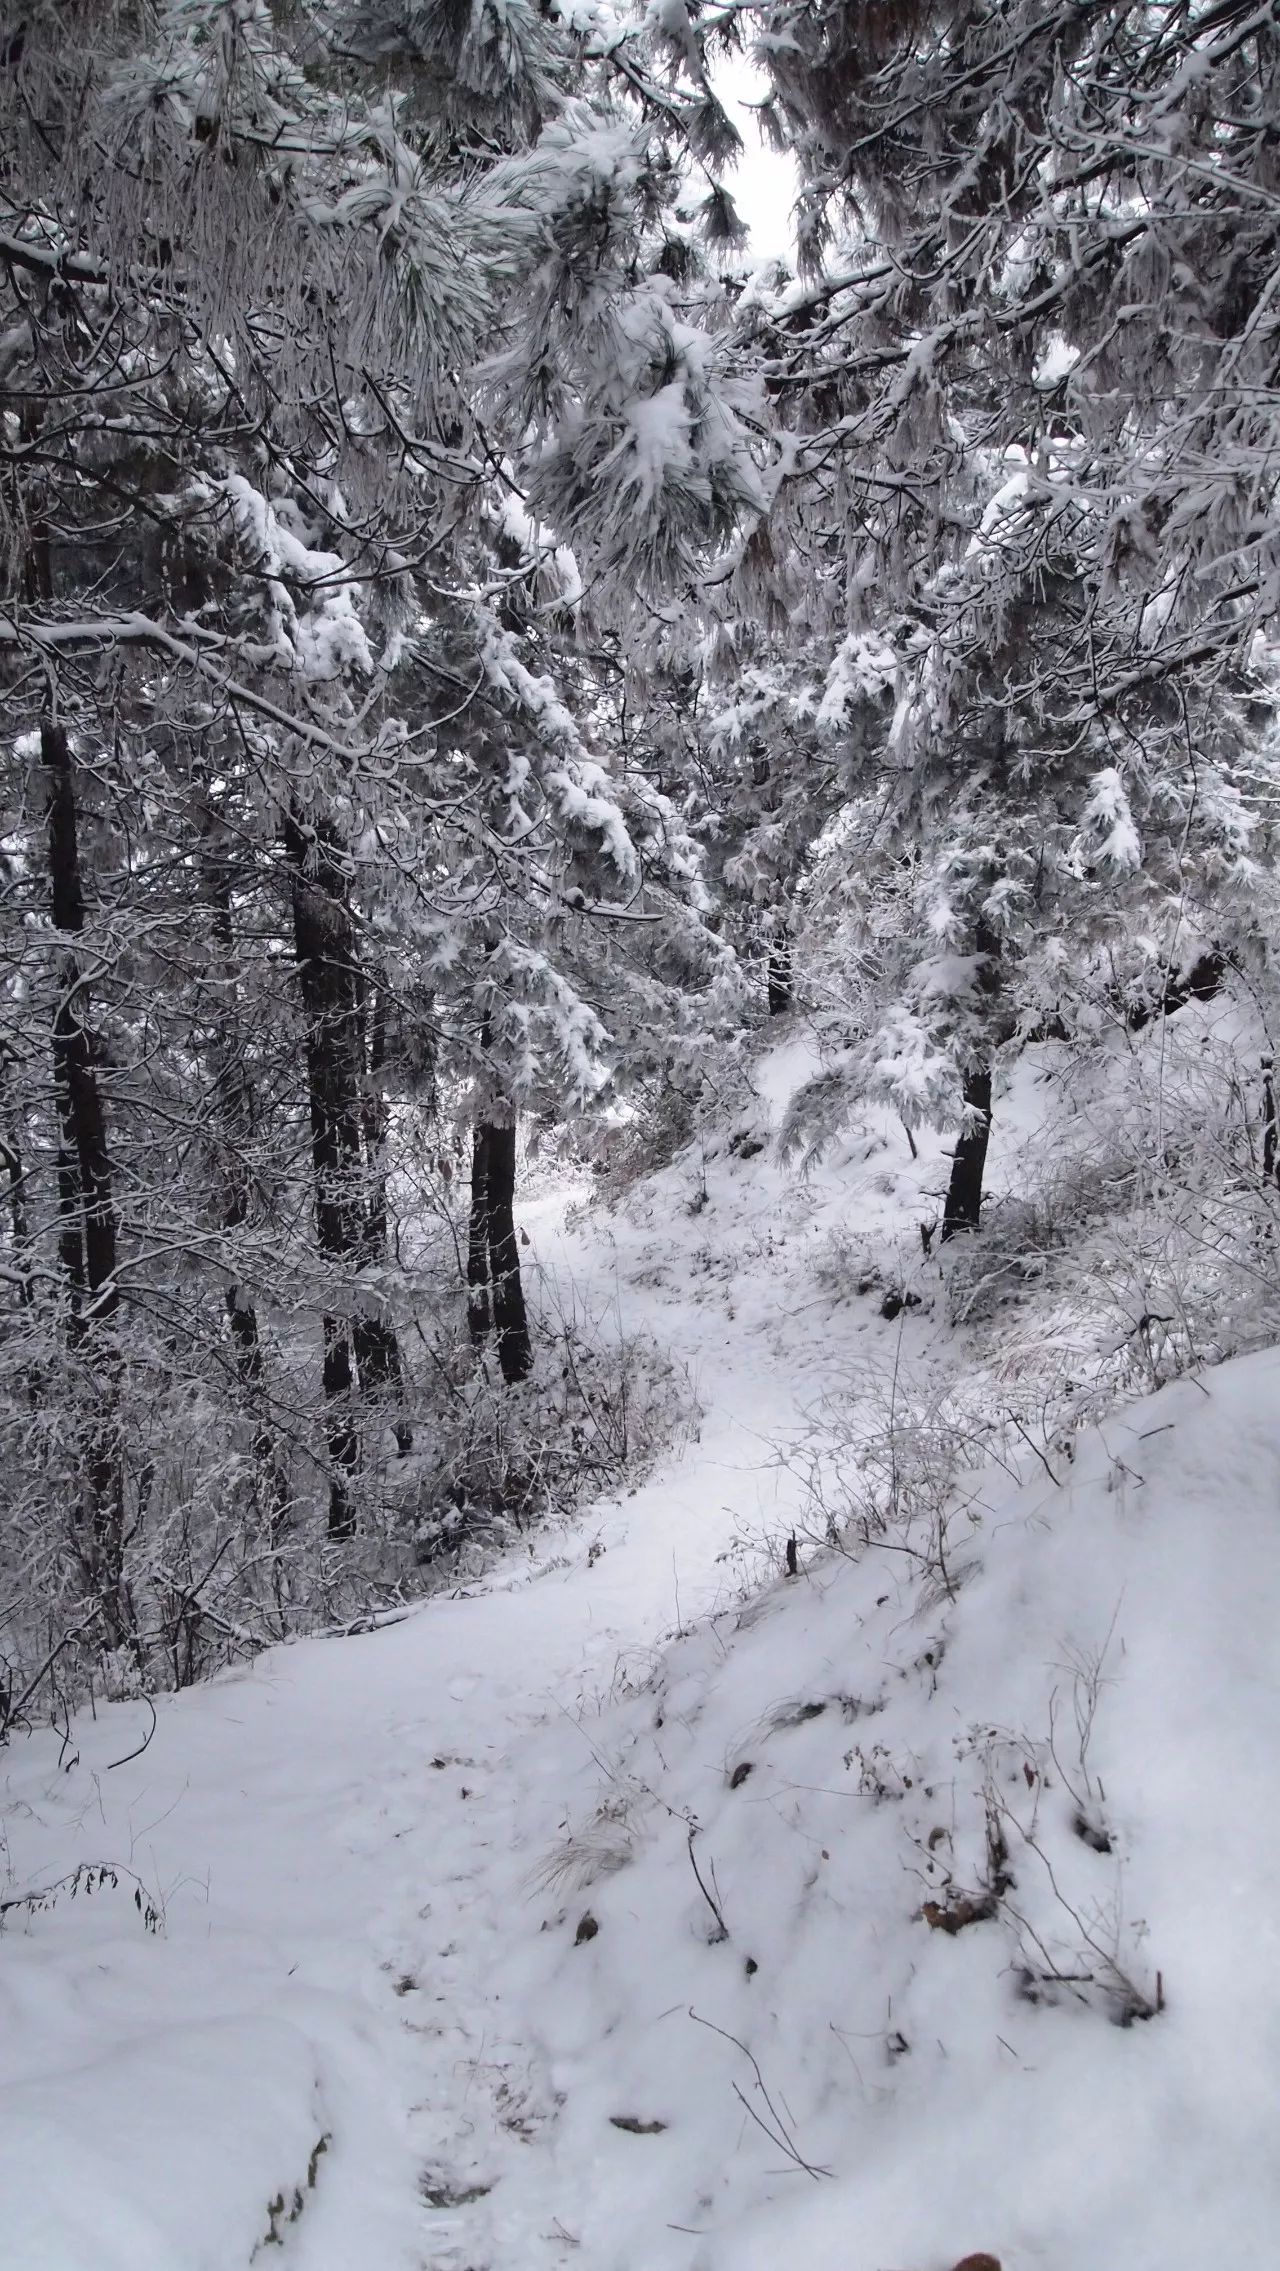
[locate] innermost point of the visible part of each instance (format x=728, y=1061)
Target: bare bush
x=213, y=1575
x=1142, y=1246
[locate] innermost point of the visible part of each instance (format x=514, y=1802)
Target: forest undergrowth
x=490, y=1464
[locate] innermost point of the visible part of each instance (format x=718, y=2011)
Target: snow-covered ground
x=646, y=1909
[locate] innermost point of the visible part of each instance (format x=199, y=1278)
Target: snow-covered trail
x=438, y=1986
x=345, y=1839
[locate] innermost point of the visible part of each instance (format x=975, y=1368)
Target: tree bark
x=479, y=1315
x=968, y=1164
x=510, y=1317
x=12, y=1163
x=495, y=1292
x=963, y=1209
x=88, y=1237
x=235, y=1115
x=377, y=1347
x=321, y=930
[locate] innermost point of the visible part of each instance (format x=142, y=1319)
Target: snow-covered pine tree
x=621, y=435
x=270, y=368
x=997, y=449
x=1028, y=230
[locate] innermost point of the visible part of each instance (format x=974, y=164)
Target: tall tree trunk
x=479, y=1315
x=495, y=1293
x=510, y=1317
x=963, y=1207
x=377, y=1348
x=324, y=942
x=320, y=932
x=968, y=1164
x=88, y=1239
x=235, y=1115
x=15, y=1174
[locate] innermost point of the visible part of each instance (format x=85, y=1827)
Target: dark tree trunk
x=781, y=976
x=495, y=1294
x=479, y=1317
x=338, y=1090
x=235, y=1113
x=510, y=1317
x=321, y=932
x=963, y=1209
x=377, y=1348
x=372, y=1002
x=968, y=1165
x=11, y=1161
x=1270, y=1123
x=88, y=1241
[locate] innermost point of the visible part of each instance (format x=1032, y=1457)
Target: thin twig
x=112, y=1764
x=783, y=2139
x=712, y=1903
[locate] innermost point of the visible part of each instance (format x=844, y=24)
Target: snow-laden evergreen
x=638, y=1135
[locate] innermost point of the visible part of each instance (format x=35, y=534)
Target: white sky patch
x=764, y=183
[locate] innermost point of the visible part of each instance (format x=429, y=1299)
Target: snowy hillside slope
x=645, y=1909
x=979, y=1949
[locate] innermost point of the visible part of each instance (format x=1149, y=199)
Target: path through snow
x=345, y=1836
x=403, y=2015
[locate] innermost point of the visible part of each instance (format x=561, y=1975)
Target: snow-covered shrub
x=214, y=1574
x=600, y=1846
x=646, y=1133
x=846, y=1267
x=1138, y=1239
x=503, y=1459
x=704, y=1098
x=886, y=1467
x=1025, y=1234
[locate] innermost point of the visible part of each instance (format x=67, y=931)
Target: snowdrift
x=946, y=1921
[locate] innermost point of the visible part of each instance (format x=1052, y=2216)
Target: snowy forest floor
x=642, y=1909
